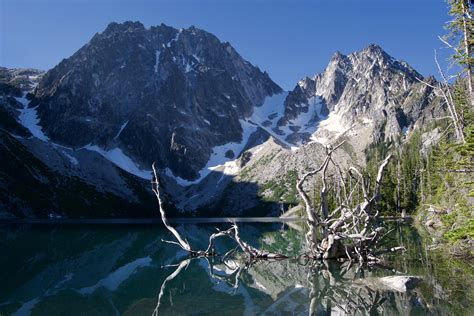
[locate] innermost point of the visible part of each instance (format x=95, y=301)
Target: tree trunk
x=467, y=48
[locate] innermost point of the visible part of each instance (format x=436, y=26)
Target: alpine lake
x=126, y=269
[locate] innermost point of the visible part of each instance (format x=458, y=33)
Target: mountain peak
x=338, y=56
x=125, y=26
x=374, y=48
x=150, y=83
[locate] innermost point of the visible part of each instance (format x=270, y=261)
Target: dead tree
x=443, y=89
x=252, y=253
x=346, y=231
x=349, y=230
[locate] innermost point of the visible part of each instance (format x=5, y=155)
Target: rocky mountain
x=363, y=98
x=368, y=86
x=226, y=138
x=157, y=94
x=39, y=178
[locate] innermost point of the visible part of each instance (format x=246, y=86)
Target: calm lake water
x=128, y=270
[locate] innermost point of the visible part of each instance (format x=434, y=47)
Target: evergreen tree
x=462, y=35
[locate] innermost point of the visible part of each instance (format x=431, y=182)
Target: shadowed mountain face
x=158, y=94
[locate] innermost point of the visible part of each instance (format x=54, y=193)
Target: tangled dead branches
x=347, y=230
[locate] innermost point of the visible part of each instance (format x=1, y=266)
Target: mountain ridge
x=133, y=95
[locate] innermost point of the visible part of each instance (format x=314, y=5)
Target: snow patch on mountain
x=306, y=122
x=330, y=128
x=118, y=157
x=272, y=110
x=265, y=117
x=157, y=62
x=29, y=119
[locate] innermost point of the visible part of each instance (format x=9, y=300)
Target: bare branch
x=156, y=189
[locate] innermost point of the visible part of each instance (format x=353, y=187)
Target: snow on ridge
x=175, y=38
x=29, y=119
x=124, y=162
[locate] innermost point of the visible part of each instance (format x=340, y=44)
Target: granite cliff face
x=157, y=94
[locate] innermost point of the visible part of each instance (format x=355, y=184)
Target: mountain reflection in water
x=128, y=270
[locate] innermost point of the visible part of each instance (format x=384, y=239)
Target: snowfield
x=218, y=158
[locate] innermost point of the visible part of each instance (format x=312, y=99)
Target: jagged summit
x=158, y=94
x=367, y=85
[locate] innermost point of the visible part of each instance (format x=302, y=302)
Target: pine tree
x=462, y=34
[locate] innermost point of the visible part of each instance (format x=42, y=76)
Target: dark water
x=128, y=270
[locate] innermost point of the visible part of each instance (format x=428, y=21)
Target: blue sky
x=289, y=39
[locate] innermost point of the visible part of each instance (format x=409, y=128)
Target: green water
x=121, y=270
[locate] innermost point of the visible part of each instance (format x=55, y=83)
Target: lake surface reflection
x=128, y=270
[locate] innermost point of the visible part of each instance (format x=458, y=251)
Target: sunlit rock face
x=367, y=86
x=159, y=94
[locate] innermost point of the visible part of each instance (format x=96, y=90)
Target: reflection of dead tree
x=349, y=230
x=173, y=275
x=332, y=287
x=232, y=279
x=233, y=232
x=334, y=292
